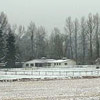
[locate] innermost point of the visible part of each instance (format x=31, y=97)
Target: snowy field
x=76, y=89
x=61, y=87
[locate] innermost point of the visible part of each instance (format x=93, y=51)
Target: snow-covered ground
x=78, y=89
x=64, y=88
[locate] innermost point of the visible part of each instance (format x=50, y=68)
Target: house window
x=54, y=63
x=49, y=64
x=65, y=63
x=32, y=64
x=97, y=67
x=27, y=65
x=59, y=63
x=39, y=64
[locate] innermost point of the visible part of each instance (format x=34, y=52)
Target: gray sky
x=48, y=13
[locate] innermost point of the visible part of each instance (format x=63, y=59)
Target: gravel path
x=76, y=89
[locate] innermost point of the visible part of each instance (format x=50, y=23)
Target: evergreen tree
x=1, y=45
x=11, y=51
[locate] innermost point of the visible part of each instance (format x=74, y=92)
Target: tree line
x=79, y=41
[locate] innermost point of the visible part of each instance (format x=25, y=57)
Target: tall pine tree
x=1, y=45
x=11, y=51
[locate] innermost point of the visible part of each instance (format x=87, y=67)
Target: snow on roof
x=48, y=61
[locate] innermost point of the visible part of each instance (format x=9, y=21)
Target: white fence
x=67, y=66
x=53, y=73
x=60, y=72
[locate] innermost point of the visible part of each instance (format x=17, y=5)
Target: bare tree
x=97, y=23
x=32, y=31
x=76, y=25
x=56, y=44
x=83, y=37
x=91, y=27
x=3, y=21
x=3, y=35
x=69, y=30
x=40, y=44
x=65, y=45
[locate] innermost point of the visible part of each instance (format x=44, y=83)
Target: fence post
x=45, y=73
x=92, y=73
x=39, y=73
x=5, y=72
x=52, y=73
x=60, y=73
x=98, y=73
x=31, y=72
x=24, y=72
x=73, y=73
x=86, y=73
x=79, y=73
x=66, y=73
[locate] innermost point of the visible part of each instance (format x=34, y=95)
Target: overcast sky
x=48, y=13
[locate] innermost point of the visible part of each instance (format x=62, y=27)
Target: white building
x=49, y=63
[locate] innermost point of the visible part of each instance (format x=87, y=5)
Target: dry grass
x=77, y=89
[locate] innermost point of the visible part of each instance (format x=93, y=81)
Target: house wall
x=63, y=64
x=54, y=64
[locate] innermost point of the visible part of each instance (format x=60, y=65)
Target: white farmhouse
x=49, y=63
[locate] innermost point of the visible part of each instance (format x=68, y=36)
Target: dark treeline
x=80, y=41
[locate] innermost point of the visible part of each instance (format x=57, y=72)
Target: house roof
x=48, y=61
